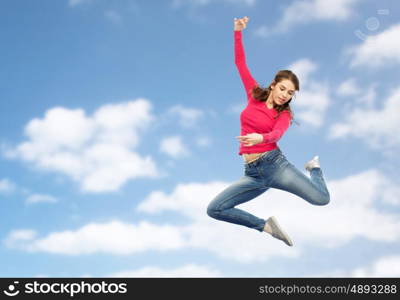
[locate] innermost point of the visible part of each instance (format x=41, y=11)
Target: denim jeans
x=271, y=170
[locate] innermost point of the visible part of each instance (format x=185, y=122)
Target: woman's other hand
x=250, y=139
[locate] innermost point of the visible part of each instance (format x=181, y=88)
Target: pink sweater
x=257, y=117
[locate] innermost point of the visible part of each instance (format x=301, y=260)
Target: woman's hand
x=240, y=24
x=250, y=139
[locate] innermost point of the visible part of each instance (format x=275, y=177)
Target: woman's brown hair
x=261, y=94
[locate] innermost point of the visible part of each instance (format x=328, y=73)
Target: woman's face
x=282, y=91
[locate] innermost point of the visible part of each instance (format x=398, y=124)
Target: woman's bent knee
x=212, y=211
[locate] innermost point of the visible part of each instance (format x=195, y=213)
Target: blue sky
x=118, y=125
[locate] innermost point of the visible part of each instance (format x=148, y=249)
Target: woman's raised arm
x=240, y=58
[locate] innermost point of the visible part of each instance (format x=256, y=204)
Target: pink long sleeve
x=240, y=61
x=280, y=127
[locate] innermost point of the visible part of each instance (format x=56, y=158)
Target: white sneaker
x=313, y=163
x=277, y=231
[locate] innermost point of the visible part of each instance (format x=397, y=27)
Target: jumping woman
x=265, y=119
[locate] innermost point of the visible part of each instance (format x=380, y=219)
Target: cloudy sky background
x=118, y=124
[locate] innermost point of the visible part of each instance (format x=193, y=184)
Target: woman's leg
x=312, y=189
x=222, y=207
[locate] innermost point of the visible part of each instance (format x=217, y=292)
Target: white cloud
x=353, y=201
x=17, y=238
x=376, y=127
x=387, y=266
x=303, y=68
x=308, y=11
x=192, y=200
x=41, y=198
x=369, y=96
x=114, y=237
x=312, y=103
x=377, y=50
x=188, y=117
x=313, y=99
x=353, y=210
x=203, y=141
x=174, y=147
x=349, y=87
x=355, y=95
x=6, y=186
x=96, y=151
x=190, y=270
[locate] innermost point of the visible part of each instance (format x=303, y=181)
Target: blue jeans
x=271, y=170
